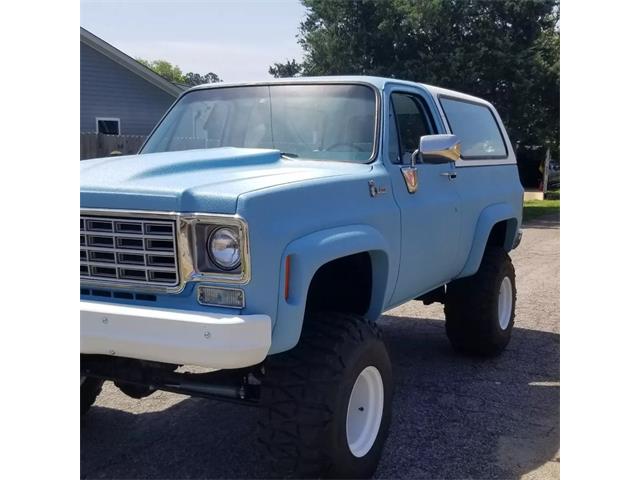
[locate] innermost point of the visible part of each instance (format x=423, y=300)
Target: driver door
x=430, y=215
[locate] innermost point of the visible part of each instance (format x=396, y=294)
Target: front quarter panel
x=309, y=253
x=316, y=222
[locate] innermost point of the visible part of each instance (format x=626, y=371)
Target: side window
x=476, y=127
x=412, y=123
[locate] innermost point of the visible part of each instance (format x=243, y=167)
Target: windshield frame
x=377, y=107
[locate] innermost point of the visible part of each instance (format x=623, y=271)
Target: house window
x=108, y=126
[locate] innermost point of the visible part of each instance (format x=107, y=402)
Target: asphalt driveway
x=454, y=417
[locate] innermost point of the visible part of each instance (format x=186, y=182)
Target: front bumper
x=174, y=336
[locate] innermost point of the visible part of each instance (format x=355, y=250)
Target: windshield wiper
x=289, y=155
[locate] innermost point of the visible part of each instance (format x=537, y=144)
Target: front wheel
x=480, y=310
x=328, y=400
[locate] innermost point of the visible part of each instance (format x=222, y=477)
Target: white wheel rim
x=364, y=412
x=505, y=303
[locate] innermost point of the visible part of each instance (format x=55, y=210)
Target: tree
x=193, y=79
x=165, y=69
x=174, y=74
x=504, y=51
x=290, y=68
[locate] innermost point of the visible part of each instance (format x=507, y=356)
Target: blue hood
x=208, y=180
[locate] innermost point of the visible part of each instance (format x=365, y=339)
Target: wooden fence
x=94, y=145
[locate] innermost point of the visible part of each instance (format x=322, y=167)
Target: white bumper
x=172, y=336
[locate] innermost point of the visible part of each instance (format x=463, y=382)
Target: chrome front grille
x=128, y=250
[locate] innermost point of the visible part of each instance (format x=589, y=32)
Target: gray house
x=118, y=95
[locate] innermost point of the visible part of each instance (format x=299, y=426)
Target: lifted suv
x=263, y=229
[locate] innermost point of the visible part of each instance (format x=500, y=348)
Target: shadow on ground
x=454, y=417
x=551, y=220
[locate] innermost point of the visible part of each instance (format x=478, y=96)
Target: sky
x=237, y=40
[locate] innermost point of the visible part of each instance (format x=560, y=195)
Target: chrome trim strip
x=186, y=249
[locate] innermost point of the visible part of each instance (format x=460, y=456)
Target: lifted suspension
x=139, y=378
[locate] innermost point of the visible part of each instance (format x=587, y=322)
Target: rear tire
x=328, y=400
x=90, y=388
x=480, y=310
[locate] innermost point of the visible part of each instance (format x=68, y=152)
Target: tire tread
x=470, y=306
x=296, y=393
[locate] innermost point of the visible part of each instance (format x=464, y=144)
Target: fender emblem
x=375, y=191
x=410, y=175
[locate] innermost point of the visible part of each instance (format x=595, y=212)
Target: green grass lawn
x=552, y=195
x=537, y=208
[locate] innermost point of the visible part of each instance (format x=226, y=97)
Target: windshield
x=315, y=122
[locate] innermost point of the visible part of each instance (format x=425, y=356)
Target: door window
x=411, y=122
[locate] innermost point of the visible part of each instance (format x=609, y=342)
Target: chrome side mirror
x=433, y=149
x=436, y=149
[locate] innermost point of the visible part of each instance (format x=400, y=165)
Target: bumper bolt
x=207, y=335
x=105, y=320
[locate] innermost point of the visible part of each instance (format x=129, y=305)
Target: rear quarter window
x=476, y=127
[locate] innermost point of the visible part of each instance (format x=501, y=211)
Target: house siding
x=108, y=89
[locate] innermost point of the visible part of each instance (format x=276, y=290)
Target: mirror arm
x=414, y=155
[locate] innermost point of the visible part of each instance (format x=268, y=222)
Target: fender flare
x=487, y=219
x=309, y=253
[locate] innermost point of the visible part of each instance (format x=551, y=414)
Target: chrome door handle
x=451, y=175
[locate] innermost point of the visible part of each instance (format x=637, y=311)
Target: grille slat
x=159, y=245
x=128, y=265
x=120, y=250
x=102, y=257
x=122, y=227
x=128, y=250
x=131, y=259
x=130, y=243
x=106, y=234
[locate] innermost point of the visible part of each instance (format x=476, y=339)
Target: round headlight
x=224, y=248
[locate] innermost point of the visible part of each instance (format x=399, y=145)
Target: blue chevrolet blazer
x=264, y=227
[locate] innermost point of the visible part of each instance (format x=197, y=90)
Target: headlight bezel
x=200, y=228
